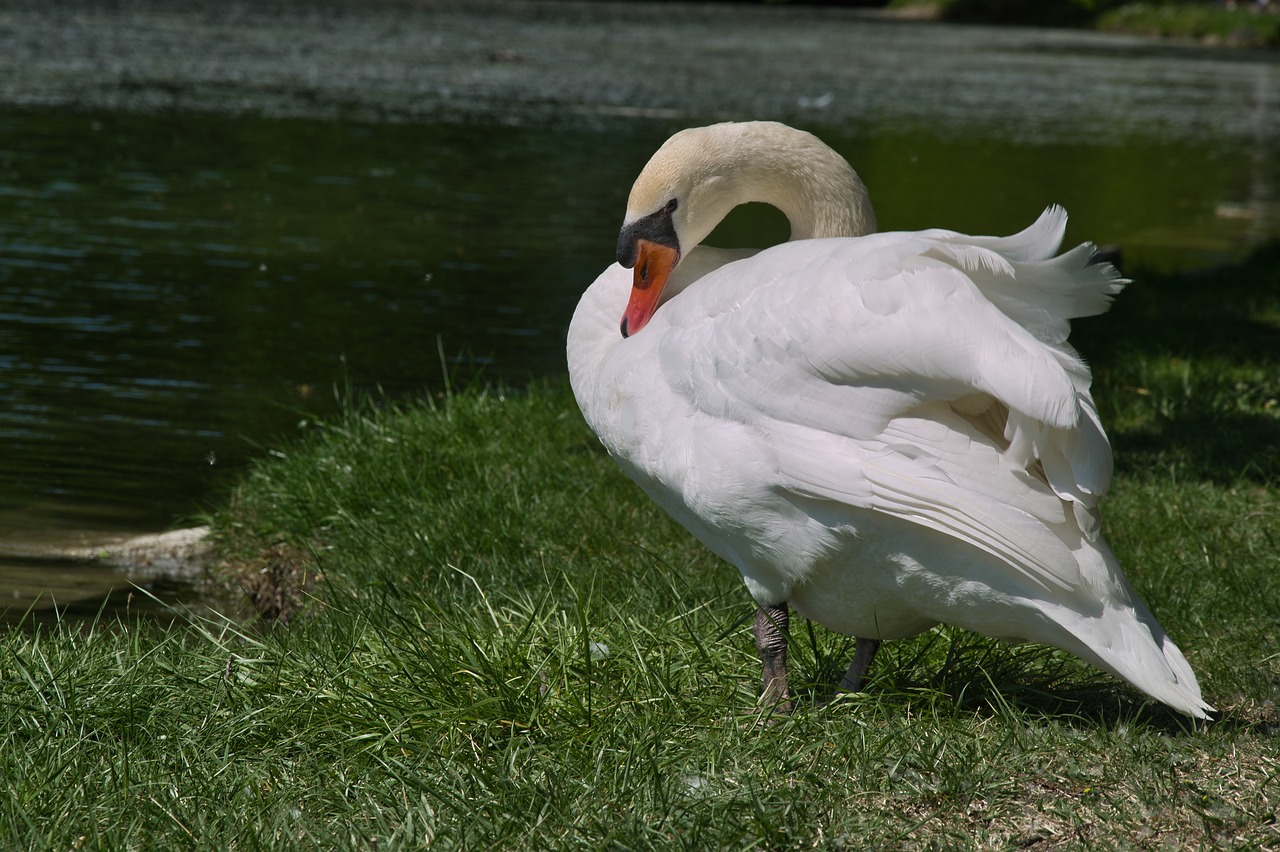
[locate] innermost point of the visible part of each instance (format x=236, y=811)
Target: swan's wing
x=971, y=494
x=880, y=312
x=848, y=369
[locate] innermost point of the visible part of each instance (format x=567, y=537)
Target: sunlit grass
x=1240, y=25
x=505, y=645
x=1243, y=24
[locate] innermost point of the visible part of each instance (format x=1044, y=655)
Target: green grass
x=505, y=645
x=1240, y=27
x=1209, y=22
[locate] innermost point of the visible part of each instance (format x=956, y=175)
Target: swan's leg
x=771, y=642
x=855, y=677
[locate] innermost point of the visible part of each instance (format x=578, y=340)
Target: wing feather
x=921, y=489
x=849, y=372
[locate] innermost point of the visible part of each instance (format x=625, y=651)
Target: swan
x=881, y=431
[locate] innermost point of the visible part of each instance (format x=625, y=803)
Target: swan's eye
x=671, y=206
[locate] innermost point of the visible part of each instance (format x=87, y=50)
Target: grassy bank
x=1208, y=22
x=501, y=643
x=1211, y=24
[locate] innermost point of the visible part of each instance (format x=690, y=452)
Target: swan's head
x=667, y=213
x=700, y=174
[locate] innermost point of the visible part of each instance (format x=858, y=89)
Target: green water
x=179, y=292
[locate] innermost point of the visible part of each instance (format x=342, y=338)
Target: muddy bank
x=180, y=553
x=73, y=576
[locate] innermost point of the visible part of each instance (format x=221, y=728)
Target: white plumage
x=884, y=430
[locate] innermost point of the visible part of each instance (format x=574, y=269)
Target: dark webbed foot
x=855, y=677
x=771, y=641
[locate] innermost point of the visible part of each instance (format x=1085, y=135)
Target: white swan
x=883, y=430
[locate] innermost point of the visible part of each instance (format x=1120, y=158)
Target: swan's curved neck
x=714, y=169
x=814, y=187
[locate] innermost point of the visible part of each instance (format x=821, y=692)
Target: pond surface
x=180, y=290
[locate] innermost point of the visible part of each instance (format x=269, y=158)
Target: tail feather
x=1125, y=639
x=1039, y=241
x=1021, y=277
x=1149, y=660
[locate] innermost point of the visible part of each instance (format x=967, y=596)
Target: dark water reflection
x=171, y=286
x=177, y=292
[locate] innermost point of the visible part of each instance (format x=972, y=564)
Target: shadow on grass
x=1189, y=366
x=1212, y=310
x=975, y=675
x=1208, y=446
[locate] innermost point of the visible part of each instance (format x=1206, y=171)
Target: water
x=180, y=290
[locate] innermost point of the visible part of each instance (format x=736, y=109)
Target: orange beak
x=654, y=263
